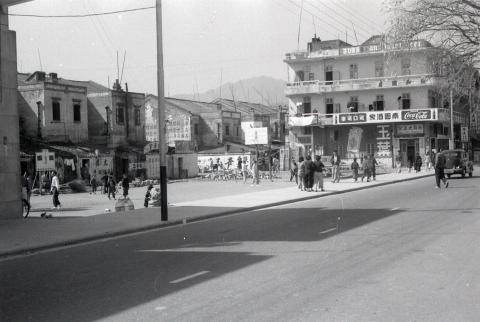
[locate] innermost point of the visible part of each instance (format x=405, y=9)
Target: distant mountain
x=262, y=89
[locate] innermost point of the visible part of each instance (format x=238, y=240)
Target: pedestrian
x=28, y=185
x=55, y=189
x=428, y=161
x=309, y=172
x=93, y=182
x=440, y=162
x=43, y=183
x=410, y=164
x=398, y=162
x=335, y=160
x=245, y=171
x=148, y=196
x=105, y=183
x=254, y=170
x=367, y=167
x=24, y=185
x=239, y=163
x=354, y=168
x=374, y=164
x=276, y=166
x=294, y=171
x=301, y=173
x=112, y=186
x=418, y=163
x=125, y=185
x=318, y=168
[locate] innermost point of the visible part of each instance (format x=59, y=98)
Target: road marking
x=188, y=277
x=328, y=230
x=393, y=209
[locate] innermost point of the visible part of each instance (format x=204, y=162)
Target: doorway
x=408, y=151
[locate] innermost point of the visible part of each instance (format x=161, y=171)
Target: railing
x=316, y=86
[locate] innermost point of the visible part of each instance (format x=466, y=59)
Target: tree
x=452, y=27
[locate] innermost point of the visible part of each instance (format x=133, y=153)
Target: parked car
x=457, y=162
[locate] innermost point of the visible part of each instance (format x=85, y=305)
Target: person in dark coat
x=440, y=162
x=294, y=171
x=148, y=196
x=318, y=167
x=418, y=163
x=354, y=168
x=367, y=168
x=308, y=173
x=125, y=185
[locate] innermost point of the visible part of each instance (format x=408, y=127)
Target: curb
x=128, y=231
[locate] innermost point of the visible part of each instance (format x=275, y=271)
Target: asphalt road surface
x=403, y=252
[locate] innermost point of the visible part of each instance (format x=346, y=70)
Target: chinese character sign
x=383, y=141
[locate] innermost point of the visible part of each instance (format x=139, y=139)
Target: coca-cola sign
x=418, y=115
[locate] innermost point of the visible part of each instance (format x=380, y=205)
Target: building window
x=311, y=76
x=238, y=131
x=56, y=111
x=406, y=66
x=352, y=106
x=353, y=71
x=137, y=116
x=307, y=130
x=406, y=101
x=328, y=75
x=307, y=105
x=378, y=104
x=219, y=129
x=76, y=113
x=329, y=105
x=195, y=129
x=299, y=76
x=379, y=72
x=120, y=114
x=227, y=130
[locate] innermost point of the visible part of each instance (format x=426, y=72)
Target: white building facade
x=367, y=99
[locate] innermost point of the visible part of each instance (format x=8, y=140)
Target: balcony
x=371, y=117
x=318, y=87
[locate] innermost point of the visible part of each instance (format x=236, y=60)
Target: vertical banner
x=384, y=141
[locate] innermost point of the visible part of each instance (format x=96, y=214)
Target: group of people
x=27, y=185
x=308, y=174
x=368, y=164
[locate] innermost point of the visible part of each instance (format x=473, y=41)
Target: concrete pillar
x=10, y=189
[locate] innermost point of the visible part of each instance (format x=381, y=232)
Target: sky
x=205, y=42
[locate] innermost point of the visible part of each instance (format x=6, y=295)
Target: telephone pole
x=161, y=116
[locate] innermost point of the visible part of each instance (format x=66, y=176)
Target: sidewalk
x=35, y=234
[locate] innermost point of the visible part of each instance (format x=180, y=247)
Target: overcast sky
x=203, y=39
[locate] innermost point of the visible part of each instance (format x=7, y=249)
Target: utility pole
x=161, y=116
x=451, y=142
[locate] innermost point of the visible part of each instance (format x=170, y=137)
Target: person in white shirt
x=55, y=189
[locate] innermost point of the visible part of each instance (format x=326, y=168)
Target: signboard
x=354, y=140
x=178, y=129
x=45, y=160
x=464, y=133
x=410, y=129
x=387, y=116
x=383, y=141
x=256, y=135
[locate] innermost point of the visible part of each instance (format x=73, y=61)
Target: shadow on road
x=99, y=280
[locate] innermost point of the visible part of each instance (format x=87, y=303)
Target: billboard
x=256, y=135
x=178, y=129
x=45, y=160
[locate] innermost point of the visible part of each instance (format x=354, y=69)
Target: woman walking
x=301, y=173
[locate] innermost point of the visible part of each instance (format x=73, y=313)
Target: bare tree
x=451, y=26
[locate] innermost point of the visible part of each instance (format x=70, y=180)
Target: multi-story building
x=367, y=99
x=10, y=199
x=52, y=109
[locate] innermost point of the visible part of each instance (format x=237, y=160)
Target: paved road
x=404, y=252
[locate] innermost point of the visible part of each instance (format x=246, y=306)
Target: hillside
x=263, y=89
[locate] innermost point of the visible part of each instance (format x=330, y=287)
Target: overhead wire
x=82, y=15
x=359, y=17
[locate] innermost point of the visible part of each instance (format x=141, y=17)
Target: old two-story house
x=368, y=99
x=52, y=109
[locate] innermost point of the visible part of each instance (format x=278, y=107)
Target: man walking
x=308, y=173
x=335, y=167
x=367, y=167
x=440, y=162
x=374, y=163
x=318, y=167
x=55, y=189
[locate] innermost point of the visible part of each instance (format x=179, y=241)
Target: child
x=148, y=196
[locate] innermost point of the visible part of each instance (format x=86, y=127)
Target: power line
x=363, y=19
x=81, y=15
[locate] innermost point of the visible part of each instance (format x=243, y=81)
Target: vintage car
x=457, y=162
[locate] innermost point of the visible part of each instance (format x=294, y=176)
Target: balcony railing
x=316, y=86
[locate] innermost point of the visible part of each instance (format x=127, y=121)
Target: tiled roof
x=246, y=107
x=194, y=107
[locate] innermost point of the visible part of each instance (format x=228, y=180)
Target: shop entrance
x=408, y=151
